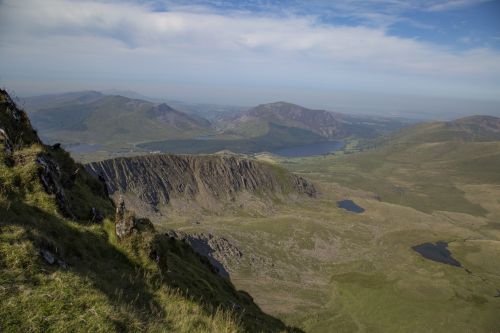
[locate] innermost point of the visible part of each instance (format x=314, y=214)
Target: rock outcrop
x=222, y=253
x=50, y=175
x=15, y=128
x=124, y=221
x=150, y=183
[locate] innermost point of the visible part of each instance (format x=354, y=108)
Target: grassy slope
x=328, y=270
x=422, y=167
x=110, y=120
x=109, y=285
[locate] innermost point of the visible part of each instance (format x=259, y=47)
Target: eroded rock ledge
x=222, y=253
x=150, y=182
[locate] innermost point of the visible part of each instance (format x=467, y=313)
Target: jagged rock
x=150, y=183
x=15, y=125
x=51, y=259
x=6, y=141
x=48, y=256
x=221, y=253
x=49, y=176
x=304, y=186
x=56, y=146
x=124, y=221
x=143, y=224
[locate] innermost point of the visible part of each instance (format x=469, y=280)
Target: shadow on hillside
x=92, y=256
x=195, y=276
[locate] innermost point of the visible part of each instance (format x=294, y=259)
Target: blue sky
x=458, y=24
x=313, y=53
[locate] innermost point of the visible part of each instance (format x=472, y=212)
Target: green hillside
x=325, y=269
x=422, y=166
x=259, y=120
x=62, y=267
x=94, y=126
x=90, y=117
x=344, y=272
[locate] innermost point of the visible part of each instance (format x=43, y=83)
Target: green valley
x=325, y=269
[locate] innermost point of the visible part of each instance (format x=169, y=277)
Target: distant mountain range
x=117, y=122
x=93, y=117
x=468, y=129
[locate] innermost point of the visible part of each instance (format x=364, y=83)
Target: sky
x=350, y=55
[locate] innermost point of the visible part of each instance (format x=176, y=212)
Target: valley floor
x=325, y=269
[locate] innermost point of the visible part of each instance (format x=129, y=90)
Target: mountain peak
x=280, y=105
x=15, y=126
x=163, y=107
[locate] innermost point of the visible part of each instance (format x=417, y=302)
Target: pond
x=437, y=252
x=350, y=206
x=310, y=149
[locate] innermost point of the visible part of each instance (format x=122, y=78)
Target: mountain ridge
x=150, y=183
x=330, y=125
x=93, y=117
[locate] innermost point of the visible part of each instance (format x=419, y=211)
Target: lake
x=310, y=149
x=350, y=206
x=437, y=252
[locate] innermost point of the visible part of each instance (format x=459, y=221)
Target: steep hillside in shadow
x=69, y=262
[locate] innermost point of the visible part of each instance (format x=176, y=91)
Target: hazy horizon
x=423, y=59
x=404, y=106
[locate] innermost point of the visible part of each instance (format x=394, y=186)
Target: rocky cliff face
x=150, y=183
x=221, y=252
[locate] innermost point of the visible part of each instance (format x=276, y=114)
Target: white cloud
x=70, y=36
x=453, y=4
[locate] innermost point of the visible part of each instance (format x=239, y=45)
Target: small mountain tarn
x=350, y=206
x=437, y=252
